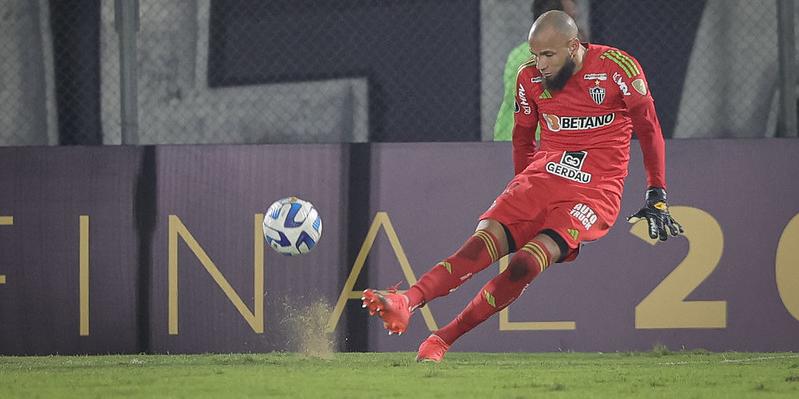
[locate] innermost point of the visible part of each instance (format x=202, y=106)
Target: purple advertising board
x=731, y=284
x=217, y=195
x=127, y=249
x=159, y=249
x=66, y=228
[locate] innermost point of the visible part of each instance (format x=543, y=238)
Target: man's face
x=554, y=58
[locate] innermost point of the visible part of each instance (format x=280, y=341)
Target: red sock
x=477, y=253
x=498, y=293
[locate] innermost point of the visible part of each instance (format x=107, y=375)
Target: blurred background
x=111, y=72
x=91, y=89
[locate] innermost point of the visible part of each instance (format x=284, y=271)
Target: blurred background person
x=504, y=123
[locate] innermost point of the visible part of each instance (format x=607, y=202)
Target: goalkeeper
x=588, y=99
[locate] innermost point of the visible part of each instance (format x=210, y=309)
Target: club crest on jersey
x=557, y=123
x=597, y=93
x=570, y=167
x=639, y=86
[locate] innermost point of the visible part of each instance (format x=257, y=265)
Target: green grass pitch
x=656, y=374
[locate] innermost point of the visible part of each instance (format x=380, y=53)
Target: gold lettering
x=665, y=306
x=84, y=275
x=381, y=220
x=506, y=325
x=255, y=318
x=5, y=221
x=787, y=267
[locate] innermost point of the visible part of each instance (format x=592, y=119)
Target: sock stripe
x=489, y=243
x=478, y=235
x=543, y=255
x=539, y=253
x=532, y=245
x=534, y=254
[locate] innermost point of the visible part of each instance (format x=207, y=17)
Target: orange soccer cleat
x=432, y=349
x=391, y=306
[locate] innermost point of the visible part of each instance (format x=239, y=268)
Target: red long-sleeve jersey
x=594, y=115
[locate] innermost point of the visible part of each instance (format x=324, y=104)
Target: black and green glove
x=656, y=213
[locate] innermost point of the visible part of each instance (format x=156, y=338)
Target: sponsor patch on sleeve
x=523, y=101
x=622, y=85
x=639, y=86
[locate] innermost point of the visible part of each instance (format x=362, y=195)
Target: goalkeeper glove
x=656, y=213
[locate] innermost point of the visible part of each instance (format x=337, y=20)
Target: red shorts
x=541, y=198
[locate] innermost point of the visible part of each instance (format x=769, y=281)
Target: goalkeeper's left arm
x=650, y=137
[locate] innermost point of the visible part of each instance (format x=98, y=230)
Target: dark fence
x=310, y=71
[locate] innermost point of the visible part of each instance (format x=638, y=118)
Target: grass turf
x=462, y=375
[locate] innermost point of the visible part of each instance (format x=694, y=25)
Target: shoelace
x=395, y=288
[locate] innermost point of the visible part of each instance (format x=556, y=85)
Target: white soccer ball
x=292, y=226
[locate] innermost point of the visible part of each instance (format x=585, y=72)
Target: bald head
x=554, y=43
x=553, y=25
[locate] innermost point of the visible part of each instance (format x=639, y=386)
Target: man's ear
x=573, y=45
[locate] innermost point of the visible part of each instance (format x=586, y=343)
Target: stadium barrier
x=159, y=249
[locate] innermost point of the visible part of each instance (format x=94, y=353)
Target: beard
x=558, y=81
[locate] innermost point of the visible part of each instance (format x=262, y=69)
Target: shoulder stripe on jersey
x=623, y=61
x=621, y=65
x=627, y=60
x=530, y=62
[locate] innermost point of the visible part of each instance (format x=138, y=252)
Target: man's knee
x=496, y=229
x=554, y=244
x=534, y=258
x=521, y=267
